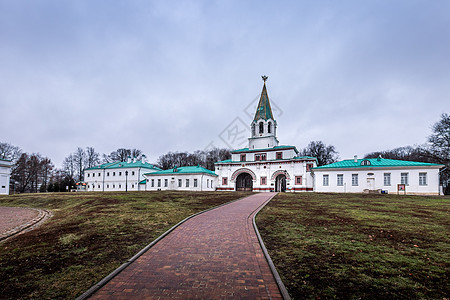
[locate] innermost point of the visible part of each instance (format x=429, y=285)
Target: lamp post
x=126, y=181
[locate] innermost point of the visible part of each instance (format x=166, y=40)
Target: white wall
x=5, y=169
x=413, y=187
x=115, y=179
x=205, y=182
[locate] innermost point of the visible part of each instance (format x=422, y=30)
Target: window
x=422, y=178
x=93, y=174
x=153, y=182
x=159, y=182
x=195, y=182
x=132, y=172
x=224, y=180
x=261, y=127
x=120, y=186
x=269, y=127
x=279, y=155
x=120, y=173
x=187, y=182
x=365, y=162
x=387, y=179
x=114, y=186
x=309, y=167
x=107, y=173
x=242, y=157
x=253, y=130
x=340, y=179
x=99, y=186
x=132, y=186
x=166, y=182
x=298, y=180
x=107, y=186
x=180, y=182
x=261, y=156
x=89, y=174
x=404, y=178
x=114, y=173
x=263, y=180
x=325, y=180
x=99, y=174
x=354, y=179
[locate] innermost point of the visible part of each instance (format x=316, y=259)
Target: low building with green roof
x=376, y=175
x=118, y=176
x=189, y=178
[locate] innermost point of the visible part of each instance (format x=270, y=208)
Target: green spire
x=264, y=111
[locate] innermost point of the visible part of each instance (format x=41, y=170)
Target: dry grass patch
x=353, y=246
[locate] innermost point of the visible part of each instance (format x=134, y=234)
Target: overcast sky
x=185, y=75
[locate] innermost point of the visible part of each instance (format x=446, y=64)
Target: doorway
x=244, y=182
x=280, y=183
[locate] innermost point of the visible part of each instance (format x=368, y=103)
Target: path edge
x=281, y=286
x=43, y=215
x=116, y=272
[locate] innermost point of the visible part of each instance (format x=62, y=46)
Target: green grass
x=89, y=236
x=353, y=246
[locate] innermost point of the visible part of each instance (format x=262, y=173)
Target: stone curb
x=42, y=216
x=114, y=273
x=281, y=287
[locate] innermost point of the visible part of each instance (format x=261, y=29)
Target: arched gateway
x=244, y=182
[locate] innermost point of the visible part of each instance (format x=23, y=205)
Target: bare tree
x=79, y=158
x=199, y=157
x=92, y=157
x=122, y=154
x=69, y=166
x=325, y=154
x=9, y=152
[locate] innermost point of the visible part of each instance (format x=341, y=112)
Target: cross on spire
x=264, y=77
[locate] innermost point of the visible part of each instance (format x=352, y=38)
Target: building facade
x=5, y=176
x=194, y=178
x=377, y=175
x=118, y=176
x=265, y=165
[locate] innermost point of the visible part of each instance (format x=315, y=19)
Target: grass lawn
x=89, y=236
x=353, y=246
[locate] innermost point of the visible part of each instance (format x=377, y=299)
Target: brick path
x=213, y=255
x=15, y=220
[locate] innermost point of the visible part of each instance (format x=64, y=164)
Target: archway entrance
x=244, y=182
x=280, y=183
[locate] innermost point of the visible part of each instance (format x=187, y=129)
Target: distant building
x=118, y=176
x=376, y=175
x=5, y=175
x=265, y=165
x=193, y=178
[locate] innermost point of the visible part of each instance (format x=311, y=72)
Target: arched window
x=269, y=127
x=253, y=130
x=261, y=127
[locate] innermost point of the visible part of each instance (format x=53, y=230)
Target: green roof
x=265, y=149
x=143, y=181
x=184, y=170
x=123, y=164
x=228, y=161
x=264, y=111
x=375, y=163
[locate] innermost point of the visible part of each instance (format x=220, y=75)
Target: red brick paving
x=213, y=255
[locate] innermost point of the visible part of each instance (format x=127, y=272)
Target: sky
x=166, y=76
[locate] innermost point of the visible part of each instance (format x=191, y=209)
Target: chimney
x=355, y=158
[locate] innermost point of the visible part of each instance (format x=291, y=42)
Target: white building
x=5, y=173
x=376, y=175
x=118, y=176
x=193, y=178
x=265, y=165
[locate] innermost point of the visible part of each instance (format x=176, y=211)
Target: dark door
x=280, y=183
x=244, y=182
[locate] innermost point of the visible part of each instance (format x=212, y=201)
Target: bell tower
x=263, y=127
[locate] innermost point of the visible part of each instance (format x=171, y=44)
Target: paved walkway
x=15, y=220
x=214, y=255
